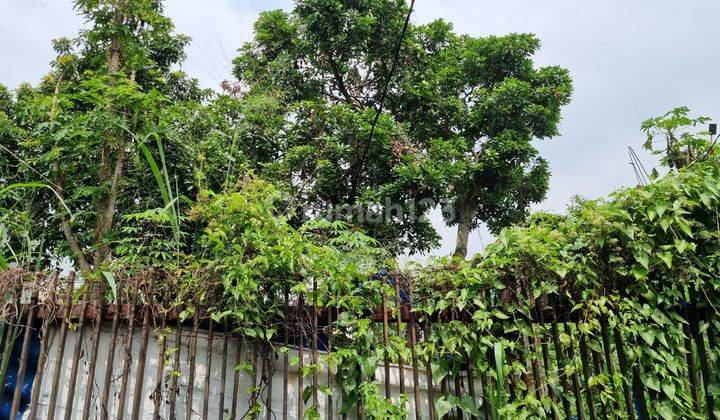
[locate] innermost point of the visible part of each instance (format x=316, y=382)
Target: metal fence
x=99, y=360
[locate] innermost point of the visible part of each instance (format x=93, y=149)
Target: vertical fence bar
x=585, y=358
x=690, y=361
x=471, y=382
x=223, y=374
x=208, y=369
x=539, y=309
x=609, y=362
x=142, y=356
x=176, y=372
x=639, y=393
x=385, y=327
x=268, y=376
x=560, y=358
x=413, y=342
x=702, y=355
x=22, y=364
x=597, y=363
x=90, y=388
x=236, y=380
x=192, y=348
x=428, y=373
x=286, y=357
x=105, y=398
x=576, y=379
x=329, y=369
x=457, y=385
x=61, y=347
x=126, y=362
x=315, y=347
x=624, y=368
x=42, y=358
x=398, y=325
x=160, y=371
x=301, y=362
x=76, y=356
x=16, y=323
x=485, y=381
x=254, y=384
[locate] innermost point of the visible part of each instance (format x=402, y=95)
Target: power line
x=396, y=55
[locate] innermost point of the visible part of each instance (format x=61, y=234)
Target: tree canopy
x=456, y=126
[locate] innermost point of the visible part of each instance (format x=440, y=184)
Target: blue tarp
x=12, y=372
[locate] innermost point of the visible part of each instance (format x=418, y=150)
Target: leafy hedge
x=628, y=265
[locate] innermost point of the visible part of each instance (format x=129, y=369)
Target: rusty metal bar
x=560, y=358
x=126, y=363
x=61, y=347
x=398, y=319
x=485, y=382
x=223, y=374
x=329, y=372
x=413, y=342
x=597, y=363
x=208, y=367
x=471, y=381
x=42, y=358
x=236, y=381
x=314, y=346
x=268, y=376
x=575, y=377
x=690, y=361
x=301, y=363
x=105, y=399
x=609, y=362
x=702, y=355
x=638, y=392
x=457, y=387
x=254, y=369
x=13, y=334
x=160, y=371
x=624, y=367
x=22, y=364
x=142, y=356
x=76, y=356
x=585, y=358
x=545, y=354
x=428, y=373
x=286, y=358
x=176, y=372
x=97, y=312
x=386, y=339
x=192, y=347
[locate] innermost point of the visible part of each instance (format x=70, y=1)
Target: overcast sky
x=629, y=60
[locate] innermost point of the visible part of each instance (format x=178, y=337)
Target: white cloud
x=26, y=28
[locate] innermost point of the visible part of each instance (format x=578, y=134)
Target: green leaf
x=110, y=277
x=442, y=407
x=669, y=389
x=640, y=272
x=652, y=383
x=500, y=314
x=666, y=257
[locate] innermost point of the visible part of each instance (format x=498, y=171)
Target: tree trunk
x=463, y=228
x=110, y=172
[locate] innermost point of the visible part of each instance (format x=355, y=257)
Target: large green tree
x=457, y=123
x=78, y=132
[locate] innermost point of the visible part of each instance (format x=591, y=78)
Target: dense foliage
x=456, y=129
x=125, y=166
